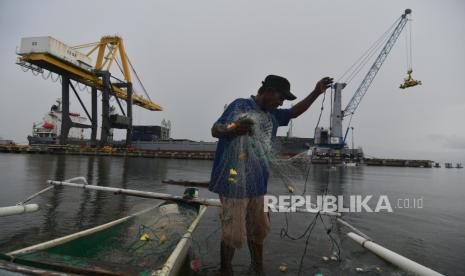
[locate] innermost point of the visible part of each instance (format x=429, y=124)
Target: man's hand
x=241, y=126
x=322, y=85
x=304, y=104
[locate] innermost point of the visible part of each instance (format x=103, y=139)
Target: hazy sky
x=196, y=56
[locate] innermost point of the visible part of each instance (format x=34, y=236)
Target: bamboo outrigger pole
x=392, y=257
x=19, y=209
x=145, y=194
x=202, y=201
x=187, y=183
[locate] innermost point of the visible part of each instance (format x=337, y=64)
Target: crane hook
x=409, y=81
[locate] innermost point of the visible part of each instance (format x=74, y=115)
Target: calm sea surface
x=433, y=235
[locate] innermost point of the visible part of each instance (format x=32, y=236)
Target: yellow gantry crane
x=47, y=53
x=108, y=48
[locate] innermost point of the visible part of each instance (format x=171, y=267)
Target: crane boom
x=362, y=89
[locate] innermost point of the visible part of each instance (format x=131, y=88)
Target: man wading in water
x=241, y=168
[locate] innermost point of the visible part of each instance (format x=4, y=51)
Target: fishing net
x=248, y=160
x=247, y=163
x=137, y=246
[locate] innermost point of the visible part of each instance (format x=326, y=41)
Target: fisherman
x=243, y=214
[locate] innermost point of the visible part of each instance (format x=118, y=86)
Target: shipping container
x=51, y=46
x=150, y=133
x=119, y=120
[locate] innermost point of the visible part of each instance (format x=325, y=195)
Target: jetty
x=105, y=151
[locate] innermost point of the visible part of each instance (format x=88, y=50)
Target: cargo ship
x=48, y=130
x=157, y=138
x=147, y=137
x=284, y=146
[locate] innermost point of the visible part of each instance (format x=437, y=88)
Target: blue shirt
x=245, y=154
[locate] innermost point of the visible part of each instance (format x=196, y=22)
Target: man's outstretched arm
x=304, y=104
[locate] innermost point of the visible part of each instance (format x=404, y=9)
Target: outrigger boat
x=154, y=241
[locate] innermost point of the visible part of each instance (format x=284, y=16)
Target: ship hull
x=33, y=140
x=283, y=145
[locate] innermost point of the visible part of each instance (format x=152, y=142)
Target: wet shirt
x=241, y=165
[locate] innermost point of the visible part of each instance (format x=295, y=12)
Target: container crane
x=335, y=139
x=46, y=53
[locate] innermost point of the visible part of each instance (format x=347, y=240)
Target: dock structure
x=378, y=162
x=362, y=161
x=106, y=151
x=186, y=154
x=398, y=163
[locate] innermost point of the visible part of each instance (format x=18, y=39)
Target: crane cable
x=321, y=110
x=137, y=77
x=408, y=46
x=356, y=67
x=363, y=59
x=135, y=74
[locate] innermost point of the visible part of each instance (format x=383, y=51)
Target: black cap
x=280, y=84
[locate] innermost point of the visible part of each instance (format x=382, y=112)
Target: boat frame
x=171, y=267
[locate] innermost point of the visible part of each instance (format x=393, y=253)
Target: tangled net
x=248, y=160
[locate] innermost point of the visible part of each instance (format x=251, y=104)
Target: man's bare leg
x=227, y=254
x=256, y=256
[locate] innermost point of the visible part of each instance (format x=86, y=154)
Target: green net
x=136, y=247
